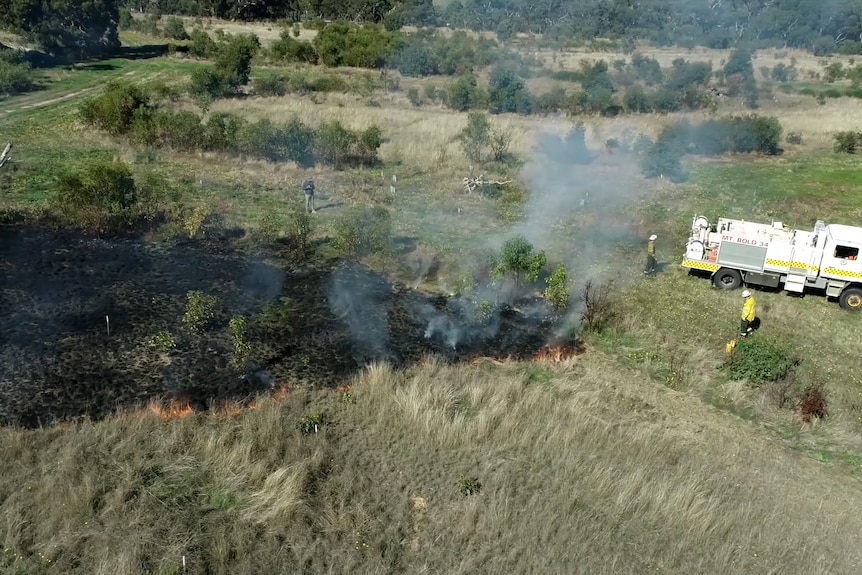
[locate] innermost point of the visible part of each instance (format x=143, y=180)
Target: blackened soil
x=78, y=314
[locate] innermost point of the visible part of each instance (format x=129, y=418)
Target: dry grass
x=598, y=467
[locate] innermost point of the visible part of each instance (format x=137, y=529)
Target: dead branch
x=4, y=157
x=470, y=184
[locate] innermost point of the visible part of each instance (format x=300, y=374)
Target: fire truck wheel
x=726, y=278
x=851, y=299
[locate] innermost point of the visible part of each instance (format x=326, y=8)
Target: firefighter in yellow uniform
x=747, y=314
x=649, y=269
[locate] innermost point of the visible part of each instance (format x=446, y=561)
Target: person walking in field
x=747, y=314
x=649, y=269
x=308, y=188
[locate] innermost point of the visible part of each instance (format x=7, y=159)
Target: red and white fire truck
x=736, y=252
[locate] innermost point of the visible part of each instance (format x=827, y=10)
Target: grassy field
x=639, y=456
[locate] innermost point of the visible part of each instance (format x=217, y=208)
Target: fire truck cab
x=737, y=252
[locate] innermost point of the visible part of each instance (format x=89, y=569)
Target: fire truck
x=736, y=252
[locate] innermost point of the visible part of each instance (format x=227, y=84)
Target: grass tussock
x=597, y=466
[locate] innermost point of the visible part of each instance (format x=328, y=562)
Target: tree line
x=74, y=28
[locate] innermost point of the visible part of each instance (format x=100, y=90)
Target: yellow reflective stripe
x=788, y=264
x=844, y=273
x=700, y=265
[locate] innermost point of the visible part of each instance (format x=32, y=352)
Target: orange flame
x=173, y=410
x=558, y=352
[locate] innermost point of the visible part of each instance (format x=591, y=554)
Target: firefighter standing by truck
x=649, y=268
x=747, y=314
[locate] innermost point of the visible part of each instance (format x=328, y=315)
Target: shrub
x=175, y=29
x=207, y=83
x=647, y=69
x=500, y=141
x=344, y=44
x=557, y=292
x=812, y=405
x=238, y=325
x=298, y=227
x=311, y=423
x=200, y=310
x=469, y=486
x=571, y=149
x=846, y=142
x=363, y=231
x=125, y=20
x=15, y=73
x=462, y=94
x=333, y=143
x=102, y=194
x=782, y=73
x=221, y=132
x=202, y=45
x=413, y=96
x=598, y=310
x=508, y=93
x=637, y=100
x=760, y=359
x=663, y=158
x=270, y=84
x=367, y=144
x=233, y=60
x=755, y=133
x=291, y=50
x=114, y=109
x=519, y=257
x=793, y=138
x=551, y=102
x=163, y=341
x=178, y=130
x=475, y=136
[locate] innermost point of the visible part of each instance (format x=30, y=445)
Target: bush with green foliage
x=288, y=49
x=15, y=73
x=647, y=69
x=518, y=257
x=462, y=94
x=783, y=73
x=175, y=29
x=115, y=108
x=344, y=44
x=664, y=157
x=200, y=310
x=761, y=358
x=847, y=142
x=339, y=146
x=104, y=195
x=233, y=61
x=362, y=231
x=202, y=45
x=508, y=93
x=475, y=136
x=557, y=290
x=241, y=347
x=270, y=84
x=637, y=100
x=551, y=102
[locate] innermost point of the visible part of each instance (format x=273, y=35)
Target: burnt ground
x=307, y=324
